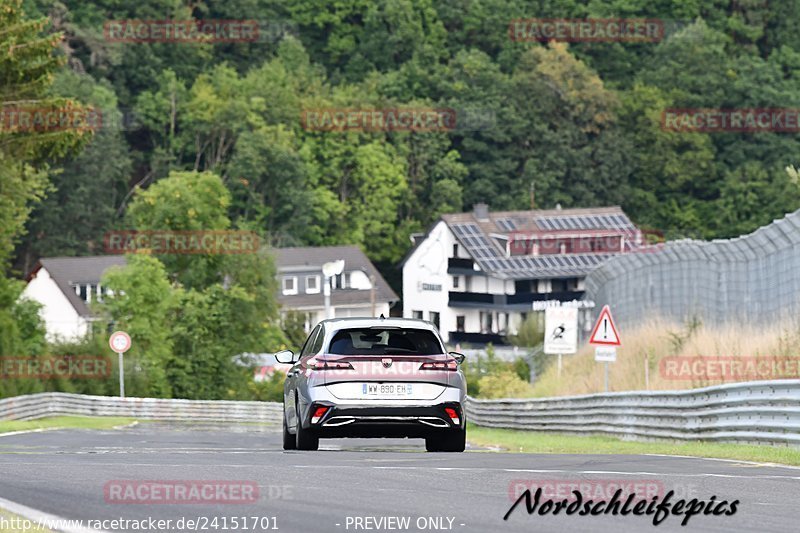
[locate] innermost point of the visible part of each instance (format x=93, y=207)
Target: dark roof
x=314, y=257
x=476, y=235
x=67, y=271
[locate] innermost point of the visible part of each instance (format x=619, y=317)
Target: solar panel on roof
x=506, y=224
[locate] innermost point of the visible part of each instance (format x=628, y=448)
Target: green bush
x=269, y=390
x=504, y=384
x=489, y=366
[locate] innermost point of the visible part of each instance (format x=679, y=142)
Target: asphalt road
x=65, y=473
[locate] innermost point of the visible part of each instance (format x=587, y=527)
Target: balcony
x=462, y=337
x=460, y=265
x=509, y=302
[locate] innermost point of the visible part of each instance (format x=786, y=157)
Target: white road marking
x=40, y=517
x=735, y=461
x=24, y=431
x=550, y=471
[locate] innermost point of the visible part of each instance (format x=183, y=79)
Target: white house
x=65, y=287
x=477, y=275
x=358, y=291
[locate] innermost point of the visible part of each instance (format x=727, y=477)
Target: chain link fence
x=750, y=279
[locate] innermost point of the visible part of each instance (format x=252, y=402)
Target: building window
x=84, y=292
x=435, y=319
x=339, y=281
x=460, y=323
x=289, y=285
x=455, y=282
x=487, y=324
x=416, y=314
x=455, y=250
x=312, y=284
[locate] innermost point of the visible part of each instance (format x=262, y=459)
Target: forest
x=213, y=134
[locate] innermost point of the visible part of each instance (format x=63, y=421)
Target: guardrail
x=751, y=412
x=33, y=406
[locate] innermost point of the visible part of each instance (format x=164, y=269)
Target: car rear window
x=378, y=341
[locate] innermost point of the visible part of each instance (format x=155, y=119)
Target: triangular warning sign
x=605, y=332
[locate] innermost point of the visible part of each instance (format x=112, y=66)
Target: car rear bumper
x=342, y=420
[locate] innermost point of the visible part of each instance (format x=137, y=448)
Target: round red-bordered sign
x=120, y=341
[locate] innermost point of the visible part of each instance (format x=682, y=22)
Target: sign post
x=606, y=339
x=120, y=342
x=560, y=332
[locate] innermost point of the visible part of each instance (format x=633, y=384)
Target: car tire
x=289, y=440
x=305, y=439
x=450, y=441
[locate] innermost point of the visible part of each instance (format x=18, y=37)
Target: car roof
x=335, y=324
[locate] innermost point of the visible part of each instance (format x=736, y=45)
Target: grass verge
x=536, y=442
x=76, y=422
x=11, y=523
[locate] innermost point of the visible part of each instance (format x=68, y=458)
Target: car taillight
x=448, y=365
x=315, y=364
x=319, y=412
x=453, y=414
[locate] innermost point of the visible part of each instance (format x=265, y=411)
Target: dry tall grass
x=649, y=344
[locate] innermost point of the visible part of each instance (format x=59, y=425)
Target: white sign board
x=605, y=354
x=560, y=330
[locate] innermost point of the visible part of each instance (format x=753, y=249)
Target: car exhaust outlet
x=339, y=421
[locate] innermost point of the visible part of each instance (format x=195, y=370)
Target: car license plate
x=386, y=390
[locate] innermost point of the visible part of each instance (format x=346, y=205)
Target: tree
x=185, y=201
x=82, y=203
x=140, y=302
x=268, y=178
x=27, y=67
x=568, y=142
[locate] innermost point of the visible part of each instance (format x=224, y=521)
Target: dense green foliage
x=579, y=123
x=488, y=376
x=27, y=69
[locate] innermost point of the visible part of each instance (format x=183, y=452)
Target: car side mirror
x=285, y=356
x=459, y=357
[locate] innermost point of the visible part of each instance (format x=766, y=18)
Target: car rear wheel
x=305, y=439
x=289, y=440
x=449, y=441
